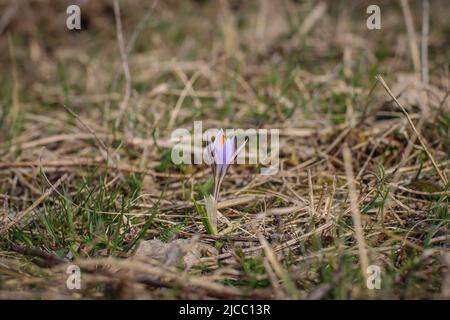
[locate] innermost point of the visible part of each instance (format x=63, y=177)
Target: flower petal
x=228, y=151
x=219, y=140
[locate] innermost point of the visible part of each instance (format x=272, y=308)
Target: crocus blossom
x=222, y=152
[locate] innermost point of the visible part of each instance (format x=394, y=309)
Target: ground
x=88, y=184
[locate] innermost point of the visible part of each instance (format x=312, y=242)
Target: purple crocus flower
x=222, y=153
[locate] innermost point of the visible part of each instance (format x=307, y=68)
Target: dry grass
x=86, y=175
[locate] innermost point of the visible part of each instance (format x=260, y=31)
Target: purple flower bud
x=222, y=152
